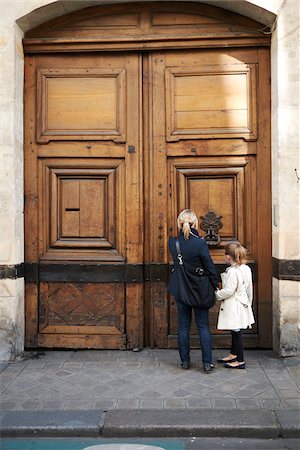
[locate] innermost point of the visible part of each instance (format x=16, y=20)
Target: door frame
x=155, y=271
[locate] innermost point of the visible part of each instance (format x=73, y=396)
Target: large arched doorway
x=134, y=112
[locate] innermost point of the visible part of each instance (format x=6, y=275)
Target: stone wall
x=285, y=185
x=17, y=16
x=11, y=185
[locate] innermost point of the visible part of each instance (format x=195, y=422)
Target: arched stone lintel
x=58, y=8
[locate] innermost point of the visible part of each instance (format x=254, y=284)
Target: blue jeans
x=184, y=325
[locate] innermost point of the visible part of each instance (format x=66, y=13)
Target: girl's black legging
x=237, y=346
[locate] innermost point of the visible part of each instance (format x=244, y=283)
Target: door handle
x=211, y=224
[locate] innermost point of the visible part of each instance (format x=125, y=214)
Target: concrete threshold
x=151, y=423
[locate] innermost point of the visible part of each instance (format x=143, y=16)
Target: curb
x=195, y=423
x=51, y=423
x=152, y=423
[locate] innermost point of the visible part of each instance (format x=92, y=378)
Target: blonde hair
x=237, y=252
x=186, y=219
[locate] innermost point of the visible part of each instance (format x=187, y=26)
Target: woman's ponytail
x=186, y=229
x=187, y=219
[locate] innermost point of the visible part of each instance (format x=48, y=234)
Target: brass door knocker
x=211, y=224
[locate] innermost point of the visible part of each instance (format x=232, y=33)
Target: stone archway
x=205, y=74
x=29, y=14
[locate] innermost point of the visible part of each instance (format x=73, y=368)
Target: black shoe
x=240, y=366
x=185, y=365
x=221, y=360
x=208, y=368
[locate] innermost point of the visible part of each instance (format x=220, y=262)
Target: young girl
x=236, y=303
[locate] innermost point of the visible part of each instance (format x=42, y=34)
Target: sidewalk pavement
x=124, y=394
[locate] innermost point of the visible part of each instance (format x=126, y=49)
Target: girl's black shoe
x=221, y=360
x=240, y=366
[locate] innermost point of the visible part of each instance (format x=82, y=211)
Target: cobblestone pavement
x=151, y=379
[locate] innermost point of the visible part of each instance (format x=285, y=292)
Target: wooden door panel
x=87, y=200
x=80, y=199
x=210, y=145
x=83, y=308
x=223, y=185
x=81, y=104
x=211, y=101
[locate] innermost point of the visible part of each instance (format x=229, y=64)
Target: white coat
x=236, y=298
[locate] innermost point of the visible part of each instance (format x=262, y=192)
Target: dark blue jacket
x=195, y=252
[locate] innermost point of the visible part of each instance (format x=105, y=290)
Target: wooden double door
x=116, y=145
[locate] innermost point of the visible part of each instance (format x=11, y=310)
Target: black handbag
x=195, y=288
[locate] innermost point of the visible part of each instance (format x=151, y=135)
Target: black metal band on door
x=104, y=273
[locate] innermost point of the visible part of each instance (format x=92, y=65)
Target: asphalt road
x=146, y=444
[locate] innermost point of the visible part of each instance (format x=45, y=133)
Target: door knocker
x=211, y=224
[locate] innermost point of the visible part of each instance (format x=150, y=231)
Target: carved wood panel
x=80, y=201
x=115, y=26
x=82, y=308
x=224, y=186
x=81, y=104
x=211, y=101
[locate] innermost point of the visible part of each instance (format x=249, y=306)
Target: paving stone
x=150, y=364
x=103, y=405
x=267, y=394
x=181, y=393
x=130, y=403
x=289, y=393
x=39, y=392
x=36, y=364
x=174, y=403
x=150, y=394
x=198, y=403
x=271, y=404
x=223, y=403
x=9, y=404
x=111, y=365
x=151, y=403
x=196, y=389
x=295, y=373
x=53, y=404
x=72, y=365
x=63, y=373
x=30, y=405
x=52, y=366
x=132, y=364
x=92, y=365
x=291, y=403
x=3, y=366
x=23, y=385
x=79, y=405
x=247, y=403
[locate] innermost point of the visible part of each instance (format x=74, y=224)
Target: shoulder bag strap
x=179, y=255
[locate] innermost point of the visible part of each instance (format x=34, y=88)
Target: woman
x=236, y=303
x=194, y=250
